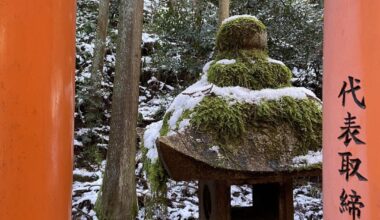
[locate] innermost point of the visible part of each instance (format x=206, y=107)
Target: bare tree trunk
x=100, y=42
x=118, y=199
x=172, y=5
x=224, y=10
x=197, y=10
x=197, y=7
x=93, y=115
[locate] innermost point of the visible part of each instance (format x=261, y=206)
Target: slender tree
x=224, y=10
x=118, y=198
x=172, y=5
x=100, y=41
x=197, y=7
x=94, y=116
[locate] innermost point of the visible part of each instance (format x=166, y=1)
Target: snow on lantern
x=241, y=123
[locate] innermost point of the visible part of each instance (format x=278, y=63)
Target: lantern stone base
x=272, y=189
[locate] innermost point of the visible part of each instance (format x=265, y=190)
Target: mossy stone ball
x=241, y=33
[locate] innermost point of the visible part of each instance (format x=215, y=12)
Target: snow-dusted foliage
x=186, y=38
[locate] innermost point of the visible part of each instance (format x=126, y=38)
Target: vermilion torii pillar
x=37, y=55
x=351, y=166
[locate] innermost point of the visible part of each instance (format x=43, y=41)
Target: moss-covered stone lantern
x=241, y=123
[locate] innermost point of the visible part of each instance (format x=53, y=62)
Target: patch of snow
x=206, y=67
x=215, y=149
x=78, y=143
x=232, y=18
x=86, y=74
x=148, y=111
x=110, y=58
x=149, y=5
x=184, y=200
x=311, y=158
x=84, y=192
x=226, y=62
x=183, y=125
x=147, y=59
x=152, y=79
x=194, y=94
x=171, y=88
x=151, y=134
x=89, y=48
x=149, y=106
x=174, y=118
x=83, y=172
x=149, y=38
x=307, y=202
x=171, y=133
x=162, y=85
x=270, y=60
x=187, y=100
x=242, y=94
x=142, y=98
x=241, y=196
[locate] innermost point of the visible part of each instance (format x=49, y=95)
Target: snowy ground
x=183, y=198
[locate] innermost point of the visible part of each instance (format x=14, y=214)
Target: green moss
x=92, y=154
x=157, y=178
x=244, y=55
x=255, y=75
x=304, y=115
x=270, y=75
x=165, y=124
x=228, y=123
x=185, y=115
x=237, y=74
x=242, y=33
x=98, y=207
x=140, y=118
x=216, y=116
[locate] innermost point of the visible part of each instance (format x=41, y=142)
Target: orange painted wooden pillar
x=351, y=166
x=37, y=55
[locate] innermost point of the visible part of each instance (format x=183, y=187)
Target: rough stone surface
x=242, y=33
x=264, y=148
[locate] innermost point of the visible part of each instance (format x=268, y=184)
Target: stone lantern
x=242, y=123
